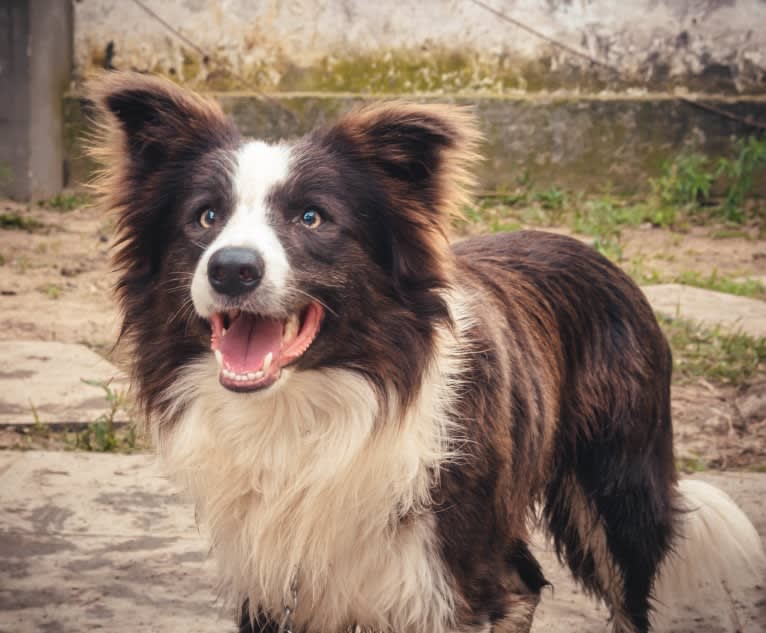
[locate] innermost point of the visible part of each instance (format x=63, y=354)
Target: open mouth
x=251, y=350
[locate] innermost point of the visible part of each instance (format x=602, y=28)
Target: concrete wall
x=572, y=142
x=35, y=71
x=402, y=46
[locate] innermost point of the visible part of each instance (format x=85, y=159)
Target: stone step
x=47, y=379
x=709, y=308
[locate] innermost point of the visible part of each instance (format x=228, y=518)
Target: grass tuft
x=712, y=353
x=18, y=222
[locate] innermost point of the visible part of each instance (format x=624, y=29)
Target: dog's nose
x=235, y=271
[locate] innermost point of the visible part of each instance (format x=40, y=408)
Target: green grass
x=52, y=291
x=686, y=184
x=712, y=353
x=742, y=287
x=690, y=189
x=15, y=221
x=102, y=434
x=691, y=465
x=66, y=201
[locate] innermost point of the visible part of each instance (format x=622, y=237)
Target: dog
x=369, y=418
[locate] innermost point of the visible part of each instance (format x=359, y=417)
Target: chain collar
x=289, y=606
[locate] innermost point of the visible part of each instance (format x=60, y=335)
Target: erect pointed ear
x=147, y=120
x=425, y=150
x=149, y=135
x=421, y=156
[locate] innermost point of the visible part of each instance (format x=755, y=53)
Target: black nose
x=235, y=271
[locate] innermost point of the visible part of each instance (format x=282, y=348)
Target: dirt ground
x=55, y=284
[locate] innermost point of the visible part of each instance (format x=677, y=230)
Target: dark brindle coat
x=449, y=391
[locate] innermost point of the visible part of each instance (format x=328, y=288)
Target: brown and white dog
x=368, y=418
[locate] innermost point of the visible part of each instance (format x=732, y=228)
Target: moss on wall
x=577, y=143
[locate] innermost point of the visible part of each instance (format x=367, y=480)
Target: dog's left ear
x=423, y=155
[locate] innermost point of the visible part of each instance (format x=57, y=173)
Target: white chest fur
x=303, y=480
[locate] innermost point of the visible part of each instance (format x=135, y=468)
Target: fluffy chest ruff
x=308, y=484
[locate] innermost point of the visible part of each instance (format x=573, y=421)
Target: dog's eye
x=207, y=218
x=311, y=218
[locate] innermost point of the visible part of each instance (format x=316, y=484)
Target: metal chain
x=288, y=608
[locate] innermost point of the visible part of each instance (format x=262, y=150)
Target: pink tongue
x=248, y=341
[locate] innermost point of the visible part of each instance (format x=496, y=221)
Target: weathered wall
x=35, y=72
x=572, y=142
x=401, y=46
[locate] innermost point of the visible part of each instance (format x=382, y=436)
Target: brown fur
x=561, y=398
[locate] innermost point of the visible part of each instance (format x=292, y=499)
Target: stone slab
x=49, y=377
x=92, y=541
x=710, y=308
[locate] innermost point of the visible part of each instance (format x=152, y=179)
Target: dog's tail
x=716, y=546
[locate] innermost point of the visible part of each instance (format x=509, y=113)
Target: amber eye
x=208, y=218
x=311, y=218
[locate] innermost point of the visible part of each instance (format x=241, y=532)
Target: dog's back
x=572, y=380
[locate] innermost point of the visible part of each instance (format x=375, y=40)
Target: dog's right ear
x=149, y=120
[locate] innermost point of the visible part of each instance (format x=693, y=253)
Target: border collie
x=369, y=418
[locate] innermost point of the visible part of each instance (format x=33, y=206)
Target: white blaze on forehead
x=259, y=168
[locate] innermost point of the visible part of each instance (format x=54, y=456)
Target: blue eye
x=311, y=218
x=207, y=218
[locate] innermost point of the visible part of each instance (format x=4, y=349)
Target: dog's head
x=329, y=251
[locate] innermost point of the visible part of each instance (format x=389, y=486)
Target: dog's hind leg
x=612, y=521
x=523, y=588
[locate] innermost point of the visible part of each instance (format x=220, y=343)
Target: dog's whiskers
x=313, y=298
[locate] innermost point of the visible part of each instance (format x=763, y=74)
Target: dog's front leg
x=518, y=618
x=257, y=624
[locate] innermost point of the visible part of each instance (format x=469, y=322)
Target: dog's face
x=329, y=251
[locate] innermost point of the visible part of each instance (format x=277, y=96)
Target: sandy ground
x=55, y=285
x=92, y=541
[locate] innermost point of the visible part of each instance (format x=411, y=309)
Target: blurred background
x=638, y=127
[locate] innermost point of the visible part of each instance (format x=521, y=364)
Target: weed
x=685, y=181
x=66, y=202
x=691, y=465
x=101, y=434
x=52, y=291
x=15, y=221
x=741, y=287
x=726, y=233
x=751, y=156
x=712, y=353
x=38, y=428
x=604, y=218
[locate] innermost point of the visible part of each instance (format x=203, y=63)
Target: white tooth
x=258, y=375
x=218, y=357
x=241, y=378
x=223, y=331
x=291, y=328
x=267, y=362
x=251, y=375
x=228, y=374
